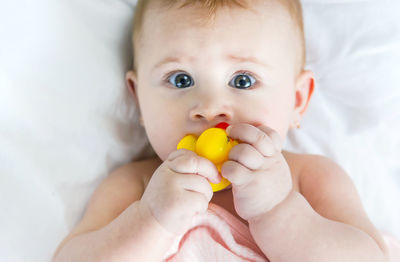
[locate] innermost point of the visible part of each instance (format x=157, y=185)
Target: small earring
x=298, y=125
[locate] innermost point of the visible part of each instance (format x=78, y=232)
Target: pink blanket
x=220, y=236
x=216, y=236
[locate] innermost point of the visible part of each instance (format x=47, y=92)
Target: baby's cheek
x=280, y=123
x=164, y=147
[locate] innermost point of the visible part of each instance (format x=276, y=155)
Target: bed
x=67, y=120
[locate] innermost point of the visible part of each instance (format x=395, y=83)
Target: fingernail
x=228, y=129
x=219, y=178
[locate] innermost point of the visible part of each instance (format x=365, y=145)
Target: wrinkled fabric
x=216, y=236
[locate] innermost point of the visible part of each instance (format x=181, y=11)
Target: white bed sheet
x=354, y=117
x=66, y=121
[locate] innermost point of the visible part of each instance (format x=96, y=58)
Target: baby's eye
x=243, y=81
x=181, y=80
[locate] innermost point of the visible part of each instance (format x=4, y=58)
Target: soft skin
x=285, y=224
x=298, y=207
x=213, y=54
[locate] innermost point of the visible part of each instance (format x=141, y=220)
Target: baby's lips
x=222, y=125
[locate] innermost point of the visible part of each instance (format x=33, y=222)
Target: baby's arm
x=128, y=221
x=324, y=222
x=113, y=227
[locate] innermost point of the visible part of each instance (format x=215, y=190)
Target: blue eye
x=243, y=81
x=181, y=80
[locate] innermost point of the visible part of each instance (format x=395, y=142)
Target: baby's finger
x=190, y=163
x=236, y=173
x=178, y=153
x=252, y=135
x=274, y=136
x=247, y=155
x=196, y=183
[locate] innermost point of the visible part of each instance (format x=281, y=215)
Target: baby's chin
x=162, y=157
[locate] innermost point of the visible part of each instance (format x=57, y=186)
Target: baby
x=198, y=63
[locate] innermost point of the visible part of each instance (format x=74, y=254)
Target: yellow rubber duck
x=213, y=144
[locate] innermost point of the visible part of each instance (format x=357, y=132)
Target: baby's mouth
x=222, y=125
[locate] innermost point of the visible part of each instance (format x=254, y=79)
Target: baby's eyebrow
x=250, y=59
x=172, y=59
x=240, y=59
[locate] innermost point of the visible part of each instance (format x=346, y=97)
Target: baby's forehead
x=173, y=25
x=205, y=14
x=161, y=18
x=191, y=23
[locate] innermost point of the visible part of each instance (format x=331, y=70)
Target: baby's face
x=240, y=69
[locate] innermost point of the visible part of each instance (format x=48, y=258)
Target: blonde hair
x=212, y=6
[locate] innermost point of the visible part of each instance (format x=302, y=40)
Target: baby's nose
x=211, y=112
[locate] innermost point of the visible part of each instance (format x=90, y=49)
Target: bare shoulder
x=303, y=166
x=321, y=180
x=331, y=192
x=116, y=192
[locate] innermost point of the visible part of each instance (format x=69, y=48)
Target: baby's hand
x=179, y=189
x=258, y=171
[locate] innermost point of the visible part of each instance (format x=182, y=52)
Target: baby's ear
x=304, y=90
x=131, y=84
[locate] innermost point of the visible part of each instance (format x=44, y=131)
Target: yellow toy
x=213, y=144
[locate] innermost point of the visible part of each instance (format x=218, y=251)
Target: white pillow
x=354, y=117
x=67, y=120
